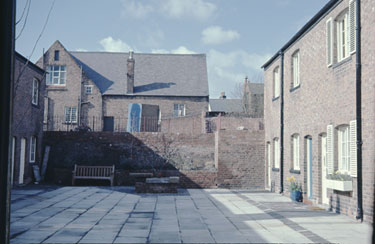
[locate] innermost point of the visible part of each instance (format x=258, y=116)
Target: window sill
x=295, y=88
x=275, y=98
x=294, y=171
x=346, y=60
x=275, y=169
x=54, y=87
x=69, y=123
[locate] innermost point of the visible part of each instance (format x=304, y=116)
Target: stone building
x=318, y=104
x=27, y=119
x=96, y=89
x=253, y=98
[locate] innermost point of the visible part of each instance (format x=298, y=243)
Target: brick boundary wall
x=191, y=157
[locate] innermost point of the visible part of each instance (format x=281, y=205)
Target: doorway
x=325, y=199
x=309, y=167
x=22, y=161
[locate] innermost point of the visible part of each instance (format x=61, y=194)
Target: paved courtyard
x=118, y=215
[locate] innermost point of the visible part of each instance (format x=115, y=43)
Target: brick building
x=97, y=89
x=27, y=119
x=314, y=117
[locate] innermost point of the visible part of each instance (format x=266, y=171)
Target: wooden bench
x=93, y=172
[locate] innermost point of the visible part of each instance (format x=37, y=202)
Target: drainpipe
x=359, y=111
x=80, y=100
x=282, y=122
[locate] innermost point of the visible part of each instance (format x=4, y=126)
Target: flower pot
x=296, y=196
x=340, y=185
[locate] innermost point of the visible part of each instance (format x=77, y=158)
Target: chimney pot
x=222, y=95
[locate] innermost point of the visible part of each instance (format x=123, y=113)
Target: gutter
x=359, y=111
x=282, y=122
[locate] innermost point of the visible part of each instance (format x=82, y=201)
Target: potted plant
x=339, y=181
x=295, y=189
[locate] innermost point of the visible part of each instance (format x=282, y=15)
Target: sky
x=237, y=36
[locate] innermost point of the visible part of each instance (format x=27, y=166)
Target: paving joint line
x=62, y=209
x=305, y=232
x=72, y=219
x=122, y=226
x=103, y=215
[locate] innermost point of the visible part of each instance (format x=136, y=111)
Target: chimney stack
x=222, y=95
x=130, y=75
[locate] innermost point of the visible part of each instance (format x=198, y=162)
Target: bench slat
x=93, y=172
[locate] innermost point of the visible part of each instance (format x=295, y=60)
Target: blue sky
x=238, y=36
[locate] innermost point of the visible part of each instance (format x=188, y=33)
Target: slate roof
x=226, y=105
x=155, y=74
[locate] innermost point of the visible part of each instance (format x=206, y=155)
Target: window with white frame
x=88, y=89
x=56, y=75
x=276, y=153
x=179, y=110
x=296, y=69
x=343, y=149
x=276, y=82
x=342, y=35
x=70, y=114
x=295, y=142
x=35, y=92
x=32, y=149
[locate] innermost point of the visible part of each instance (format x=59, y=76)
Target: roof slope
x=226, y=105
x=155, y=74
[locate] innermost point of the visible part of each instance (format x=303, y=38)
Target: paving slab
x=118, y=215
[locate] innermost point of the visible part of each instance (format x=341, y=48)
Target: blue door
x=134, y=117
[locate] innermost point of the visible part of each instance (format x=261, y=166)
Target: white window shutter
x=352, y=26
x=330, y=139
x=353, y=148
x=329, y=39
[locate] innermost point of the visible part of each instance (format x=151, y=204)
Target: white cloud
x=199, y=9
x=179, y=50
x=182, y=50
x=135, y=8
x=111, y=45
x=216, y=35
x=162, y=51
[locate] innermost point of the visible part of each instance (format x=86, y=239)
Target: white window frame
x=296, y=68
x=88, y=89
x=329, y=42
x=179, y=110
x=32, y=149
x=276, y=153
x=276, y=82
x=343, y=146
x=343, y=36
x=296, y=156
x=56, y=75
x=35, y=92
x=71, y=114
